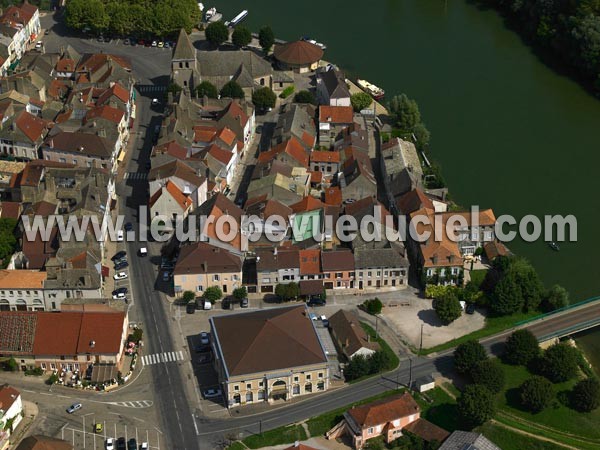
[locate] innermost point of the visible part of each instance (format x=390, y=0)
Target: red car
x=141, y=42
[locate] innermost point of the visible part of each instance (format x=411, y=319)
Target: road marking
x=195, y=426
x=136, y=404
x=136, y=176
x=162, y=358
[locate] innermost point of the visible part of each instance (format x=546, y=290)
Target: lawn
x=277, y=436
x=394, y=360
x=477, y=276
x=509, y=440
x=492, y=326
x=562, y=419
x=439, y=408
x=237, y=446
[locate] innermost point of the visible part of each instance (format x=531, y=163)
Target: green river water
x=510, y=133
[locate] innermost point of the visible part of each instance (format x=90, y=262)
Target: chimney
x=347, y=342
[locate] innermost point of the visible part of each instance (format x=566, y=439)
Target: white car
x=110, y=444
x=144, y=446
x=39, y=45
x=120, y=276
x=120, y=236
x=119, y=296
x=154, y=43
x=155, y=101
x=74, y=407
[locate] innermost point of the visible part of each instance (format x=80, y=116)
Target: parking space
x=88, y=437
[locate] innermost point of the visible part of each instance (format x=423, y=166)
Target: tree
x=560, y=362
x=373, y=306
x=213, y=293
x=521, y=348
x=305, y=97
x=188, y=296
x=240, y=293
x=11, y=365
x=529, y=283
x=489, y=374
x=422, y=138
x=360, y=101
x=467, y=355
x=264, y=98
x=266, y=39
x=585, y=396
x=447, y=306
x=476, y=405
x=507, y=297
x=206, y=88
x=557, y=297
x=536, y=393
x=379, y=361
x=232, y=90
x=81, y=14
x=241, y=36
x=216, y=33
x=405, y=112
x=357, y=367
x=8, y=240
x=287, y=291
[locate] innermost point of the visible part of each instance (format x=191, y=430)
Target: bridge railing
x=565, y=308
x=570, y=330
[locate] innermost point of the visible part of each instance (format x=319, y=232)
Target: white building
x=11, y=407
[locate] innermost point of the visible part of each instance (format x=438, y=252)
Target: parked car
x=119, y=296
x=98, y=427
x=470, y=308
x=155, y=102
x=109, y=444
x=244, y=303
x=212, y=393
x=132, y=444
x=141, y=42
x=161, y=44
x=143, y=251
x=119, y=255
x=121, y=290
x=74, y=407
x=120, y=276
x=190, y=308
x=226, y=303
x=204, y=338
x=121, y=445
x=47, y=31
x=154, y=43
x=121, y=265
x=316, y=301
x=126, y=41
x=166, y=276
x=325, y=321
x=39, y=45
x=144, y=446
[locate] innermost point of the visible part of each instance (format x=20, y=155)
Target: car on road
x=121, y=445
x=74, y=407
x=126, y=41
x=98, y=428
x=204, y=338
x=120, y=236
x=244, y=303
x=155, y=102
x=39, y=45
x=119, y=296
x=316, y=301
x=190, y=308
x=167, y=45
x=109, y=444
x=128, y=226
x=120, y=276
x=121, y=290
x=212, y=393
x=161, y=44
x=143, y=251
x=119, y=255
x=470, y=308
x=325, y=321
x=132, y=444
x=121, y=265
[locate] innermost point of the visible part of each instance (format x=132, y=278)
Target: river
x=509, y=132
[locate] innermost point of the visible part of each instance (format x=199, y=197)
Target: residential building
x=276, y=266
x=287, y=190
x=21, y=24
x=400, y=168
x=81, y=149
x=326, y=162
x=349, y=336
x=358, y=178
x=461, y=440
x=290, y=152
x=22, y=290
x=170, y=202
x=268, y=355
x=65, y=341
x=11, y=408
x=299, y=56
x=388, y=417
x=297, y=121
x=201, y=265
x=338, y=269
x=220, y=210
x=332, y=89
x=332, y=121
x=479, y=228
x=183, y=176
x=377, y=268
x=22, y=135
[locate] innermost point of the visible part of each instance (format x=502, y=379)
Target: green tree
x=447, y=306
x=489, y=373
x=188, y=296
x=11, y=365
x=360, y=101
x=305, y=97
x=476, y=405
x=585, y=396
x=507, y=297
x=357, y=367
x=232, y=90
x=8, y=240
x=379, y=362
x=287, y=291
x=405, y=112
x=557, y=297
x=213, y=293
x=264, y=98
x=560, y=362
x=216, y=33
x=422, y=136
x=373, y=306
x=467, y=355
x=174, y=88
x=80, y=14
x=206, y=88
x=521, y=348
x=240, y=293
x=241, y=36
x=266, y=39
x=536, y=393
x=529, y=283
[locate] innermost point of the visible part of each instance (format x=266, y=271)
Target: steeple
x=184, y=50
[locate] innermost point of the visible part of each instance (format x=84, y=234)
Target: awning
x=121, y=156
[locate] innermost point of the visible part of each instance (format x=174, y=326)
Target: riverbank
x=589, y=343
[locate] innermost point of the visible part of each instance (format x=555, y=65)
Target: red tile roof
x=181, y=199
x=227, y=136
x=115, y=90
x=221, y=155
x=298, y=53
x=318, y=156
x=333, y=196
x=57, y=89
x=307, y=204
x=384, y=411
x=18, y=14
x=336, y=114
x=8, y=395
x=235, y=110
x=413, y=201
x=316, y=176
x=31, y=126
x=310, y=262
x=172, y=148
x=204, y=133
x=11, y=210
x=105, y=112
x=65, y=65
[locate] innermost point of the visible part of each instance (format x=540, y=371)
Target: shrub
x=188, y=296
x=447, y=307
x=585, y=396
x=467, y=355
x=557, y=297
x=476, y=405
x=241, y=36
x=264, y=98
x=206, y=88
x=287, y=92
x=305, y=97
x=536, y=394
x=287, y=291
x=560, y=362
x=240, y=293
x=266, y=38
x=11, y=365
x=360, y=101
x=373, y=306
x=38, y=371
x=52, y=379
x=213, y=293
x=521, y=348
x=488, y=373
x=232, y=90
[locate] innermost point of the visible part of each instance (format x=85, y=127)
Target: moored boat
x=374, y=91
x=312, y=41
x=237, y=19
x=212, y=15
x=554, y=246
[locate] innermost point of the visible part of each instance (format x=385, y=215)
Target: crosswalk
x=136, y=176
x=150, y=88
x=133, y=404
x=165, y=357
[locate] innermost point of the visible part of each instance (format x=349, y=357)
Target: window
x=62, y=160
x=236, y=388
x=326, y=275
x=308, y=376
x=260, y=384
x=338, y=274
x=379, y=273
x=249, y=397
x=296, y=378
x=200, y=288
x=27, y=292
x=261, y=395
x=369, y=273
x=43, y=366
x=216, y=277
x=236, y=278
x=320, y=375
x=370, y=430
x=53, y=305
x=20, y=292
x=248, y=385
x=180, y=65
x=52, y=366
x=296, y=389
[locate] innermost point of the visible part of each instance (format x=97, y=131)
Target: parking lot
x=84, y=437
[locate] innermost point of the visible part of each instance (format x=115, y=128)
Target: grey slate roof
x=219, y=67
x=390, y=257
x=335, y=84
x=294, y=121
x=464, y=440
x=184, y=49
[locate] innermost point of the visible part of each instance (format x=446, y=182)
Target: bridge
x=565, y=321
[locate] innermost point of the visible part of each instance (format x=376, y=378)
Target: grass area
x=319, y=425
x=277, y=436
x=477, y=276
x=439, y=408
x=492, y=326
x=394, y=360
x=237, y=446
x=509, y=440
x=561, y=418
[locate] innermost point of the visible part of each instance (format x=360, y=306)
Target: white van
x=143, y=251
x=207, y=306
